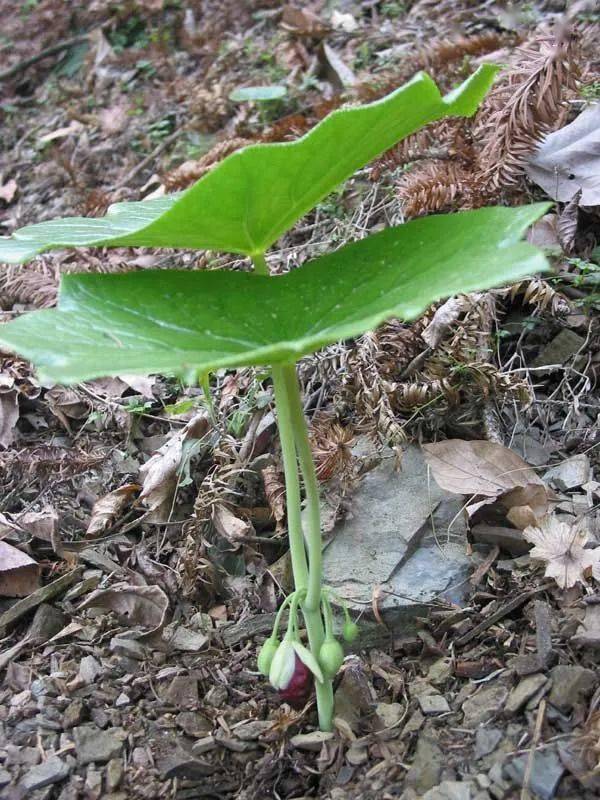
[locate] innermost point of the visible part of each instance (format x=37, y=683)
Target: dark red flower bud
x=298, y=690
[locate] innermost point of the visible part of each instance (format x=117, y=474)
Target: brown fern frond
x=539, y=294
x=191, y=171
x=527, y=102
x=433, y=186
x=36, y=286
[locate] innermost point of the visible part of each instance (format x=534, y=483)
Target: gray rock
x=194, y=724
x=452, y=790
x=252, y=730
x=182, y=692
x=46, y=623
x=4, y=777
x=426, y=768
x=89, y=669
x=179, y=764
x=524, y=691
x=204, y=745
x=570, y=685
x=388, y=714
x=389, y=540
x=53, y=770
x=125, y=646
x=74, y=714
x=484, y=705
x=311, y=741
x=433, y=704
x=486, y=741
x=94, y=745
x=114, y=774
x=573, y=472
x=545, y=776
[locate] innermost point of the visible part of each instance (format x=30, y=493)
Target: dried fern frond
x=36, y=286
x=526, y=103
x=539, y=294
x=331, y=444
x=432, y=187
x=191, y=171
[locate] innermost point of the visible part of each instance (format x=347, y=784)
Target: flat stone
x=452, y=790
x=204, y=745
x=427, y=765
x=94, y=745
x=46, y=623
x=545, y=775
x=311, y=741
x=253, y=730
x=389, y=714
x=486, y=741
x=440, y=671
x=89, y=669
x=357, y=754
x=114, y=774
x=4, y=777
x=74, y=714
x=433, y=704
x=122, y=700
x=523, y=692
x=193, y=723
x=53, y=770
x=180, y=764
x=570, y=685
x=573, y=472
x=484, y=705
x=93, y=784
x=124, y=646
x=388, y=540
x=182, y=692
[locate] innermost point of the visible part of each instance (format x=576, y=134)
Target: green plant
x=189, y=323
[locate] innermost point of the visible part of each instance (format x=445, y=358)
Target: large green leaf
x=252, y=197
x=178, y=321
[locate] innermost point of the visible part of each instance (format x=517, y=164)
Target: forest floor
x=145, y=550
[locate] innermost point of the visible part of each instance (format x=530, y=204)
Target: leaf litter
x=205, y=534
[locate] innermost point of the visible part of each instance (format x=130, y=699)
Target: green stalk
x=292, y=481
x=311, y=606
x=260, y=264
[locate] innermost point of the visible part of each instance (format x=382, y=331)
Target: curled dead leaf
x=19, y=573
x=232, y=528
x=489, y=471
x=562, y=546
x=162, y=472
x=107, y=509
x=146, y=606
x=9, y=410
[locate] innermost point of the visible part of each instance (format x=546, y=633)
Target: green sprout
x=189, y=323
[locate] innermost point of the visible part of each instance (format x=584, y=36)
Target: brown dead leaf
x=134, y=605
x=562, y=546
x=232, y=528
x=9, y=410
x=8, y=191
x=160, y=474
x=41, y=524
x=568, y=160
x=19, y=574
x=108, y=508
x=445, y=316
x=275, y=493
x=113, y=120
x=478, y=467
x=66, y=403
x=302, y=22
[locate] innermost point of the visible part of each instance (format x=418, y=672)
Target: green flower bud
x=331, y=656
x=350, y=631
x=265, y=656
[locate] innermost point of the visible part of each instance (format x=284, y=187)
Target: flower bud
x=350, y=631
x=266, y=655
x=283, y=665
x=298, y=690
x=331, y=656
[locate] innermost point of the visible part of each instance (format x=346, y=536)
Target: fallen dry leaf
x=562, y=546
x=8, y=191
x=232, y=528
x=588, y=633
x=160, y=474
x=445, y=316
x=135, y=605
x=108, y=508
x=113, y=120
x=568, y=160
x=9, y=410
x=302, y=22
x=19, y=573
x=61, y=133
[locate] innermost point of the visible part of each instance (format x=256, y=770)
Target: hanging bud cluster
x=289, y=665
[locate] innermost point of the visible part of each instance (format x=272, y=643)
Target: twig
x=48, y=51
x=149, y=159
x=525, y=795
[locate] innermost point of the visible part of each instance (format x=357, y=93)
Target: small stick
x=48, y=51
x=525, y=795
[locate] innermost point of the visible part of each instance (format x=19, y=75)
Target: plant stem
x=311, y=488
x=311, y=606
x=292, y=481
x=260, y=264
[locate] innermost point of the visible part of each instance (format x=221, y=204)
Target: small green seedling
x=189, y=323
